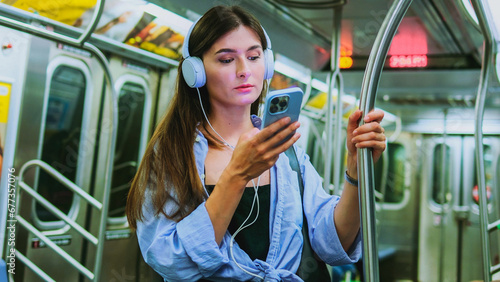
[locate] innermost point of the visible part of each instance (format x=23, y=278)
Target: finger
x=353, y=121
x=369, y=127
x=274, y=127
x=375, y=145
x=375, y=115
x=370, y=136
x=286, y=145
x=283, y=134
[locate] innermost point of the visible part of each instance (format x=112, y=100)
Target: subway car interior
x=83, y=85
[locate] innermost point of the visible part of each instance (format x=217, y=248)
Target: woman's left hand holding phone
x=258, y=150
x=255, y=152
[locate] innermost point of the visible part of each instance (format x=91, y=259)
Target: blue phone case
x=282, y=103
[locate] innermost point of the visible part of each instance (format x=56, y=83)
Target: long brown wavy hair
x=168, y=169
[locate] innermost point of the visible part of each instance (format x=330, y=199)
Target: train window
x=438, y=191
x=392, y=183
x=128, y=143
x=61, y=139
x=396, y=176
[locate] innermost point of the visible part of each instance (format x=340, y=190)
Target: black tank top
x=254, y=240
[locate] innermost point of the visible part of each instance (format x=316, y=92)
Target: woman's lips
x=244, y=88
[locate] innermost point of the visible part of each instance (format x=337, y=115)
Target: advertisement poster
x=136, y=23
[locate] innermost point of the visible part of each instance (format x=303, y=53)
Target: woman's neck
x=230, y=124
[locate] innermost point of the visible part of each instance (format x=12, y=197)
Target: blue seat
x=3, y=271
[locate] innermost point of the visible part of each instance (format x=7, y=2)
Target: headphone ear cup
x=193, y=72
x=269, y=60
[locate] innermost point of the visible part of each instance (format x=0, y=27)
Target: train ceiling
x=440, y=30
x=436, y=42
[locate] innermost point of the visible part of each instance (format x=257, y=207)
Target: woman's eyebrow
x=229, y=50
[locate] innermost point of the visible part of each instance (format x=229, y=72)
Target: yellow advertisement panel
x=64, y=11
x=5, y=89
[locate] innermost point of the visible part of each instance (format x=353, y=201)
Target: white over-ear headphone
x=194, y=71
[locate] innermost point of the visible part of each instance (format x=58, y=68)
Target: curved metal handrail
x=466, y=10
x=365, y=161
x=484, y=20
x=60, y=178
x=93, y=23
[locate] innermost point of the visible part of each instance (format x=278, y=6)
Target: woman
x=191, y=193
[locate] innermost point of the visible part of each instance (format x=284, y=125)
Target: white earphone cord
x=206, y=118
x=255, y=198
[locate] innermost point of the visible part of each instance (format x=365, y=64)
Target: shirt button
x=202, y=176
x=197, y=139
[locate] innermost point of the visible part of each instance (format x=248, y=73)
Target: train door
x=438, y=240
x=450, y=248
x=397, y=213
x=137, y=87
x=58, y=117
x=469, y=223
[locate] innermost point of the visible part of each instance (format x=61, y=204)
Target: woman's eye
x=253, y=58
x=225, y=61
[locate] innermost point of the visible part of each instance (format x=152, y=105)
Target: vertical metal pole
x=337, y=141
x=442, y=198
x=365, y=159
x=334, y=65
x=485, y=22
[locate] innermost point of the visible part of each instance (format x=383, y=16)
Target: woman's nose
x=243, y=70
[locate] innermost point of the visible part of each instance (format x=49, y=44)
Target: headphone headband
x=185, y=45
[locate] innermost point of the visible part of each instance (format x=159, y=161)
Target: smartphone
x=282, y=103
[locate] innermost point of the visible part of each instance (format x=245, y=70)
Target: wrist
x=352, y=166
x=235, y=180
x=349, y=179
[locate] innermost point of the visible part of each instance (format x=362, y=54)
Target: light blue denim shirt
x=187, y=250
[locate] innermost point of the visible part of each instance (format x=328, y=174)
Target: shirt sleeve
x=319, y=208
